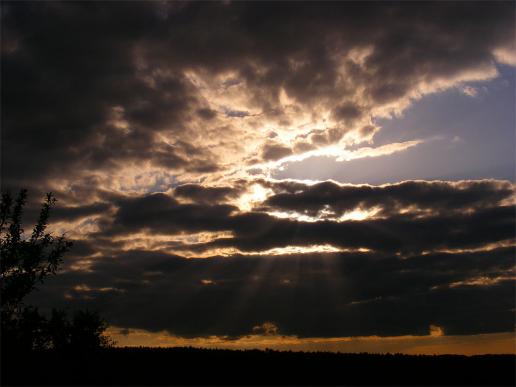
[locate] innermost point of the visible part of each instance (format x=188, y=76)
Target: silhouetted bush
x=26, y=262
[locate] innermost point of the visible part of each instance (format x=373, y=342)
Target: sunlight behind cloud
x=359, y=214
x=255, y=194
x=339, y=153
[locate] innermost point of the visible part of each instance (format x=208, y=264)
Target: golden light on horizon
x=434, y=343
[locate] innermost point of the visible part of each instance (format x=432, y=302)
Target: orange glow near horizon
x=436, y=342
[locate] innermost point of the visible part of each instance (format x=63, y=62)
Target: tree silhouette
x=84, y=332
x=26, y=261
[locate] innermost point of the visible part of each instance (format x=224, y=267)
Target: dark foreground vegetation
x=189, y=366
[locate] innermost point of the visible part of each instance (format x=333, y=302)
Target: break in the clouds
x=161, y=126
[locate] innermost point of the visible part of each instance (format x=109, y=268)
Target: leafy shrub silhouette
x=26, y=262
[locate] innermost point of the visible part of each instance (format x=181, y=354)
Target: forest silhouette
x=57, y=349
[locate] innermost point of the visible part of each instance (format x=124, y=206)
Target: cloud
x=275, y=156
x=418, y=196
x=399, y=233
x=267, y=329
x=442, y=264
x=436, y=331
x=205, y=194
x=408, y=217
x=326, y=295
x=161, y=213
x=383, y=150
x=470, y=91
x=155, y=124
x=272, y=151
x=138, y=94
x=347, y=112
x=207, y=114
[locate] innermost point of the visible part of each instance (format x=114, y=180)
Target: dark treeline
x=189, y=366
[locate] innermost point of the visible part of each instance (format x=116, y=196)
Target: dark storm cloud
x=298, y=44
x=204, y=194
x=73, y=64
x=310, y=295
x=347, y=112
x=72, y=213
x=67, y=214
x=163, y=214
x=67, y=66
x=437, y=196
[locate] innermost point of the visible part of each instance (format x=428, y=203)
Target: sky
x=292, y=175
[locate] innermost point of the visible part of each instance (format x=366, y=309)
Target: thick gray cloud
x=204, y=194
